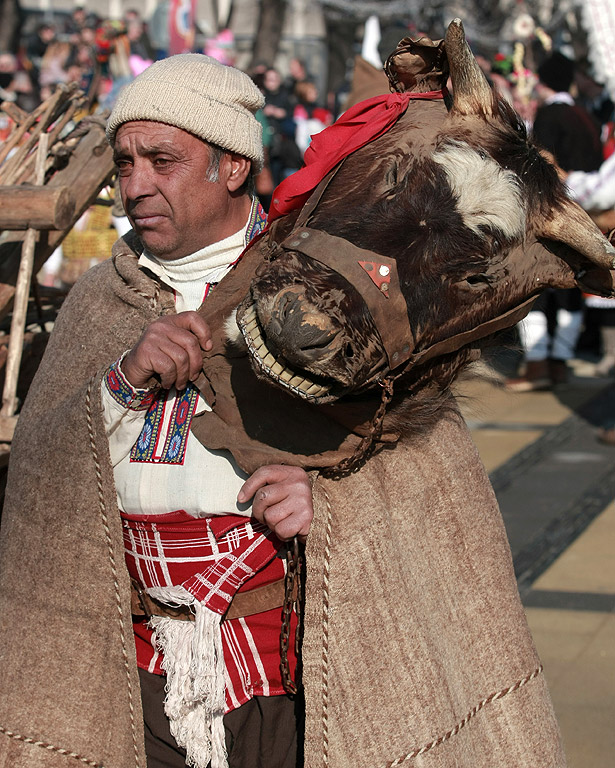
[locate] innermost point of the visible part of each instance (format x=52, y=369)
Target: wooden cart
x=53, y=165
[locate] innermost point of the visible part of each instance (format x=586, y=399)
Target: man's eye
x=162, y=162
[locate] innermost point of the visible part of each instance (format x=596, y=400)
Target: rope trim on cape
x=325, y=632
x=105, y=523
x=49, y=747
x=152, y=300
x=470, y=715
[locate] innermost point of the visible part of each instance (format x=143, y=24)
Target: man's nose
x=139, y=182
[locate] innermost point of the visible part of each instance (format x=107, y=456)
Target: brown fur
x=392, y=198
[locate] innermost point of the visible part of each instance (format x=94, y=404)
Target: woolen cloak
x=416, y=649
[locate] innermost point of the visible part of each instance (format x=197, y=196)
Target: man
x=415, y=648
x=186, y=156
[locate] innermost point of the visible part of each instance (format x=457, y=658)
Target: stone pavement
x=556, y=487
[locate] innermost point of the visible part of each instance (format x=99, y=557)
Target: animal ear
x=417, y=65
x=472, y=94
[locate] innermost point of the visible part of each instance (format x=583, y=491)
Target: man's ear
x=238, y=169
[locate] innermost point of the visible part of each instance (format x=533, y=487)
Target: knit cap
x=200, y=95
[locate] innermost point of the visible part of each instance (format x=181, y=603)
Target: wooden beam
x=7, y=428
x=34, y=207
x=89, y=169
x=22, y=292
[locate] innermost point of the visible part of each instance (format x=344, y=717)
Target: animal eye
x=481, y=279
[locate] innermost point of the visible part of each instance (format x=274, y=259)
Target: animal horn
x=471, y=91
x=573, y=226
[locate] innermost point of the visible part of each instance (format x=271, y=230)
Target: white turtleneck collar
x=189, y=276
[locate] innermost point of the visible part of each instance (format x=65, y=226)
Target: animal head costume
x=421, y=225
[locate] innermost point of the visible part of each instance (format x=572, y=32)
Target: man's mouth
x=144, y=221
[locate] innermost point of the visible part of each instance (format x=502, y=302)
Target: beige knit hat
x=199, y=95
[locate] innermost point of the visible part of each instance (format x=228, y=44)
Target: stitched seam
x=470, y=715
x=325, y=633
x=118, y=601
x=49, y=747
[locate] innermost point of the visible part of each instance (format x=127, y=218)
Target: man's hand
x=282, y=499
x=171, y=348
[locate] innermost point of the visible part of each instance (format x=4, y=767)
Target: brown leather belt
x=243, y=604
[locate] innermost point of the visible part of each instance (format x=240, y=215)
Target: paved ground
x=556, y=487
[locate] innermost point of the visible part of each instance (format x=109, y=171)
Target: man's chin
x=155, y=244
x=164, y=252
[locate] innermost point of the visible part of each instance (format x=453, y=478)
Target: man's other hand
x=170, y=349
x=281, y=498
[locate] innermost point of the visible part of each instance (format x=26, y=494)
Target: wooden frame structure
x=53, y=166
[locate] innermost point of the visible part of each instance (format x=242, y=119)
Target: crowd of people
x=101, y=56
x=566, y=111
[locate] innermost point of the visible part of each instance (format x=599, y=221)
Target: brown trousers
x=266, y=732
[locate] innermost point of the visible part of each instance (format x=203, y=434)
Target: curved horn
x=472, y=93
x=573, y=226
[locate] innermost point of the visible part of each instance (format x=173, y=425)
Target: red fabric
x=359, y=125
x=175, y=548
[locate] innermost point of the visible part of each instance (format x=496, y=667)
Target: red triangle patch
x=380, y=275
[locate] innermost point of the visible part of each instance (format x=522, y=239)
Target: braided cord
x=112, y=561
x=50, y=747
x=469, y=716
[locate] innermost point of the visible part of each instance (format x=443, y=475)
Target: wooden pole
x=22, y=293
x=36, y=207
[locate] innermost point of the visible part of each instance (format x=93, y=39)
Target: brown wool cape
x=416, y=649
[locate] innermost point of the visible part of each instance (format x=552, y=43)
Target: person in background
x=309, y=116
x=284, y=155
x=550, y=332
x=140, y=43
x=596, y=193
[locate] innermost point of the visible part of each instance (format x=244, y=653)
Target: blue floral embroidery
x=174, y=448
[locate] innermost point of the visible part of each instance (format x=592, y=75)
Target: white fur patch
x=231, y=330
x=488, y=196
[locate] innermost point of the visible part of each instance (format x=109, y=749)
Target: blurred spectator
x=15, y=83
x=53, y=67
x=138, y=37
x=596, y=193
x=297, y=73
x=113, y=58
x=76, y=23
x=550, y=332
x=8, y=73
x=284, y=155
x=264, y=180
x=36, y=48
x=561, y=126
x=310, y=118
x=159, y=29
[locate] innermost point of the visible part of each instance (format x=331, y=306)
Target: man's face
x=170, y=204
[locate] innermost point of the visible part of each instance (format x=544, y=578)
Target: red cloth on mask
x=359, y=125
